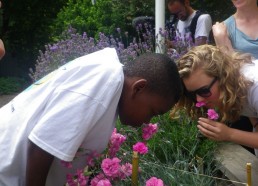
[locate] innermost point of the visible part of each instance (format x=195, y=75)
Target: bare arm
x=201, y=40
x=2, y=49
x=220, y=34
x=220, y=132
x=38, y=165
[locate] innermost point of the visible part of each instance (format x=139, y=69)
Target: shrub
x=9, y=85
x=73, y=45
x=105, y=16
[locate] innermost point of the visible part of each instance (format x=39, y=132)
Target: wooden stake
x=200, y=164
x=248, y=173
x=135, y=165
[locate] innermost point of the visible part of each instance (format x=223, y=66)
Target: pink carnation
x=212, y=114
x=67, y=164
x=111, y=167
x=200, y=104
x=126, y=170
x=70, y=180
x=90, y=159
x=82, y=180
x=98, y=180
x=149, y=130
x=104, y=182
x=140, y=147
x=153, y=181
x=116, y=141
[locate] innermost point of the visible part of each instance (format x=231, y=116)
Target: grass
x=10, y=85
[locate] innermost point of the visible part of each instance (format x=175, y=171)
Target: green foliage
x=219, y=10
x=25, y=28
x=105, y=16
x=177, y=154
x=11, y=85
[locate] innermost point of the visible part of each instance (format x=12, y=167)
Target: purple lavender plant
x=74, y=45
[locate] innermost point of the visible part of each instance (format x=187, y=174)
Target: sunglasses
x=204, y=92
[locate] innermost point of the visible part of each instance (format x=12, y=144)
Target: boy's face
x=138, y=106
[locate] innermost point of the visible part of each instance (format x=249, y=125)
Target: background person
x=226, y=81
x=2, y=48
x=75, y=107
x=191, y=23
x=240, y=31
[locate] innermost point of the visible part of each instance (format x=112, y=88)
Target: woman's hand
x=214, y=130
x=220, y=34
x=220, y=30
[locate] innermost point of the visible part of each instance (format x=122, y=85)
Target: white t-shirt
x=74, y=106
x=203, y=26
x=251, y=107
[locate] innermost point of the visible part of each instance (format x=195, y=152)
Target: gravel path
x=5, y=99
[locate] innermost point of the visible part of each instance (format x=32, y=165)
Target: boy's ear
x=139, y=86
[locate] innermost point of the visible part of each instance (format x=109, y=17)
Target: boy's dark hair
x=160, y=72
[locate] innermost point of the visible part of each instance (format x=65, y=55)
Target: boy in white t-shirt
x=199, y=31
x=76, y=106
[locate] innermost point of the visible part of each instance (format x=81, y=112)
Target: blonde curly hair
x=225, y=67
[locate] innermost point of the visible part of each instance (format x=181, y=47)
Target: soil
x=4, y=99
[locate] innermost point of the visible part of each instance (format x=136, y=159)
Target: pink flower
x=82, y=180
x=212, y=114
x=149, y=130
x=200, y=104
x=67, y=164
x=70, y=180
x=104, y=182
x=126, y=170
x=111, y=167
x=140, y=147
x=90, y=159
x=153, y=181
x=96, y=179
x=116, y=141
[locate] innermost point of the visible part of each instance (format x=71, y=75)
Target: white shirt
x=74, y=106
x=251, y=107
x=203, y=26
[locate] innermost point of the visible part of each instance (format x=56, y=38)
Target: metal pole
x=159, y=24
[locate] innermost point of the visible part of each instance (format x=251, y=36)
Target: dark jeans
x=244, y=124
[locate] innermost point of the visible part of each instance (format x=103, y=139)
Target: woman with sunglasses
x=227, y=82
x=239, y=32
